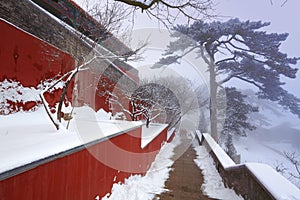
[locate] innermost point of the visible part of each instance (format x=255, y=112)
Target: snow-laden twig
x=70, y=75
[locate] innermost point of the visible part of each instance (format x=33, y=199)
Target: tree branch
x=139, y=4
x=230, y=77
x=190, y=9
x=248, y=81
x=226, y=59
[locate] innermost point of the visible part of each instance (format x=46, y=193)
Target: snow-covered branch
x=228, y=78
x=66, y=79
x=249, y=81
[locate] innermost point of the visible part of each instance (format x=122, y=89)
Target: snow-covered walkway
x=179, y=155
x=212, y=185
x=185, y=179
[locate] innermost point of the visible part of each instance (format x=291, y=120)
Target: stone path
x=186, y=178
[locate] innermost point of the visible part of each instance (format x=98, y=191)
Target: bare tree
x=190, y=98
x=116, y=18
x=282, y=3
x=149, y=101
x=184, y=99
x=292, y=175
x=169, y=11
x=279, y=167
x=66, y=80
x=110, y=17
x=158, y=101
x=119, y=96
x=293, y=157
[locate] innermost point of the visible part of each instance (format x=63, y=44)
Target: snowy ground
x=137, y=187
x=213, y=185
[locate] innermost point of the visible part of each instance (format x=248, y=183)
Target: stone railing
x=251, y=180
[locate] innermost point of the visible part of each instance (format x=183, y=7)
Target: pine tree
x=236, y=113
x=237, y=50
x=229, y=147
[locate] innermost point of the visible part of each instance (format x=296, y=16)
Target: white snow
x=276, y=184
x=170, y=133
x=102, y=114
x=87, y=119
x=26, y=137
x=213, y=185
x=268, y=146
x=15, y=92
x=148, y=134
x=224, y=159
x=137, y=187
x=29, y=136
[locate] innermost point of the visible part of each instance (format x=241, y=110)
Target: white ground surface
x=213, y=185
x=279, y=186
x=29, y=136
x=137, y=187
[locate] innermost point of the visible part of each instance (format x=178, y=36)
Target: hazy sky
x=283, y=18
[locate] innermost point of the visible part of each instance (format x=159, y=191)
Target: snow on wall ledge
x=148, y=134
x=67, y=164
x=33, y=137
x=264, y=182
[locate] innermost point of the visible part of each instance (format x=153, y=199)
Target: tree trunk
x=64, y=92
x=133, y=110
x=213, y=103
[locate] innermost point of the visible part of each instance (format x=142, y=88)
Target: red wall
x=91, y=86
x=82, y=174
x=85, y=173
x=29, y=60
x=172, y=136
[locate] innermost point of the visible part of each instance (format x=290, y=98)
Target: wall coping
x=272, y=182
x=222, y=156
x=23, y=155
x=149, y=134
x=2, y=20
x=170, y=133
x=87, y=41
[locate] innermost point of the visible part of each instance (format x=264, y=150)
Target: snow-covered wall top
x=277, y=185
x=28, y=137
x=224, y=159
x=274, y=182
x=75, y=16
x=148, y=134
x=37, y=21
